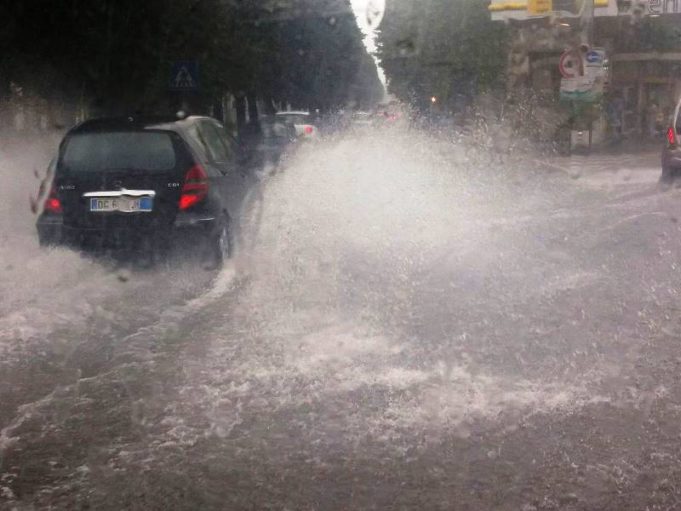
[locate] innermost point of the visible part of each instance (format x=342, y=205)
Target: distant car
x=277, y=136
x=362, y=119
x=388, y=115
x=303, y=122
x=671, y=154
x=145, y=183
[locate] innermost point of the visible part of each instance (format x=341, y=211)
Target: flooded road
x=404, y=327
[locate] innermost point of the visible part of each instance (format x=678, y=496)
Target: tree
x=441, y=48
x=117, y=54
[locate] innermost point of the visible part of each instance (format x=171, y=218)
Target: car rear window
x=296, y=118
x=276, y=129
x=139, y=150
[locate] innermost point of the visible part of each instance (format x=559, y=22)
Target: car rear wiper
x=128, y=170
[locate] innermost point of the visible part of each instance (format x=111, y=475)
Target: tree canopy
x=440, y=48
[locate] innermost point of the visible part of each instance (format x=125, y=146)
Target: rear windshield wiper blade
x=126, y=170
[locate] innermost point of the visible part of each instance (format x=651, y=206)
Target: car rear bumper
x=50, y=229
x=671, y=158
x=188, y=228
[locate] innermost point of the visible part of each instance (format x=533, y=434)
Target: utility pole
x=587, y=40
x=587, y=23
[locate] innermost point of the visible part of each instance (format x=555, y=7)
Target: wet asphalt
x=406, y=325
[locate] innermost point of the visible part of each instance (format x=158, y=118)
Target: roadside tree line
x=107, y=57
x=438, y=54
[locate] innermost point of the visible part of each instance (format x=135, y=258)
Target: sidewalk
x=609, y=168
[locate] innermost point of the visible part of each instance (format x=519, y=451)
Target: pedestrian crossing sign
x=184, y=76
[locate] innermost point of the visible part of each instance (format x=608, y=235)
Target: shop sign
x=649, y=7
x=539, y=7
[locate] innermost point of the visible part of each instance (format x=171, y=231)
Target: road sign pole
x=589, y=36
x=587, y=23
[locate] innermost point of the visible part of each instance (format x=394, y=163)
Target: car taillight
x=309, y=130
x=195, y=187
x=52, y=203
x=671, y=136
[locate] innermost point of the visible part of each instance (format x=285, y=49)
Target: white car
x=302, y=121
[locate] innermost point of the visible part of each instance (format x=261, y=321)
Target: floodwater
x=406, y=325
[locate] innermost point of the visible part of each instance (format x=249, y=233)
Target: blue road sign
x=184, y=76
x=594, y=57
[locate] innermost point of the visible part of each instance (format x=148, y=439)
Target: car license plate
x=121, y=204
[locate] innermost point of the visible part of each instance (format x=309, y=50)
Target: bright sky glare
x=360, y=7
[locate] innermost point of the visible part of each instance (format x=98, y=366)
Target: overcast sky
x=360, y=8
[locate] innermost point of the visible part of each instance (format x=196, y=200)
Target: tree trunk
x=253, y=109
x=269, y=107
x=5, y=111
x=240, y=107
x=218, y=110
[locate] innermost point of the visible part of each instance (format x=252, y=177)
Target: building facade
x=642, y=40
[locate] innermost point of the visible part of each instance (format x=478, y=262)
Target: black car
x=146, y=184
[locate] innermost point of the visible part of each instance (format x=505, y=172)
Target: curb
x=555, y=167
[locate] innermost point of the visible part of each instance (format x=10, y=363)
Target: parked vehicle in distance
x=303, y=122
x=146, y=185
x=671, y=153
x=389, y=114
x=277, y=136
x=362, y=119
